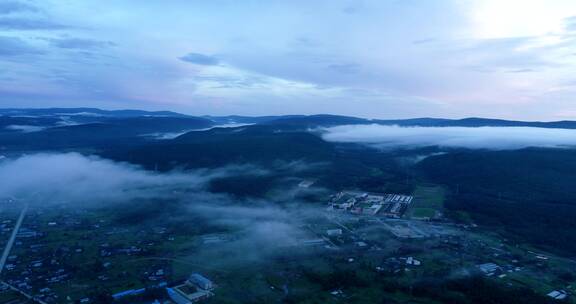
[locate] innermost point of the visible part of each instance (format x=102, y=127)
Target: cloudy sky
x=382, y=58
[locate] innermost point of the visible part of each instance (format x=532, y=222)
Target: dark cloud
x=522, y=71
x=12, y=46
x=424, y=41
x=353, y=8
x=200, y=59
x=79, y=43
x=345, y=68
x=237, y=82
x=29, y=24
x=305, y=42
x=9, y=7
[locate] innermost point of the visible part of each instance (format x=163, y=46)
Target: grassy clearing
x=423, y=212
x=428, y=201
x=538, y=285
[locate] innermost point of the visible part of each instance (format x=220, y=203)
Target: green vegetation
x=428, y=202
x=423, y=213
x=527, y=194
x=109, y=133
x=10, y=296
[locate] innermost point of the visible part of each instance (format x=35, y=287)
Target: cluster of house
x=135, y=292
x=363, y=203
x=195, y=289
x=40, y=267
x=395, y=265
x=43, y=268
x=492, y=269
x=6, y=226
x=106, y=250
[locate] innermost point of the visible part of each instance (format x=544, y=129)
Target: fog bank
x=170, y=199
x=75, y=178
x=493, y=138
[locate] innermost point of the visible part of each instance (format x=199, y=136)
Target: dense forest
x=528, y=193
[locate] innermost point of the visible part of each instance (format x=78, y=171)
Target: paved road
x=12, y=238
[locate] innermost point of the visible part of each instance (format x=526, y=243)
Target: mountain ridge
x=88, y=115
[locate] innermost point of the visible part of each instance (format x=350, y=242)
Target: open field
x=428, y=202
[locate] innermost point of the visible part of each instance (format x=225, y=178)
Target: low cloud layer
x=172, y=135
x=171, y=199
x=24, y=128
x=75, y=178
x=493, y=138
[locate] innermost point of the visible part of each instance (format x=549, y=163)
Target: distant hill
x=245, y=119
x=27, y=120
x=108, y=132
x=321, y=120
x=476, y=122
x=220, y=146
x=94, y=112
x=325, y=120
x=13, y=124
x=63, y=116
x=79, y=128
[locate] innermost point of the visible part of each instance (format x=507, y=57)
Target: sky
x=513, y=59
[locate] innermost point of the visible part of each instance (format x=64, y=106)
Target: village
x=361, y=203
x=370, y=235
